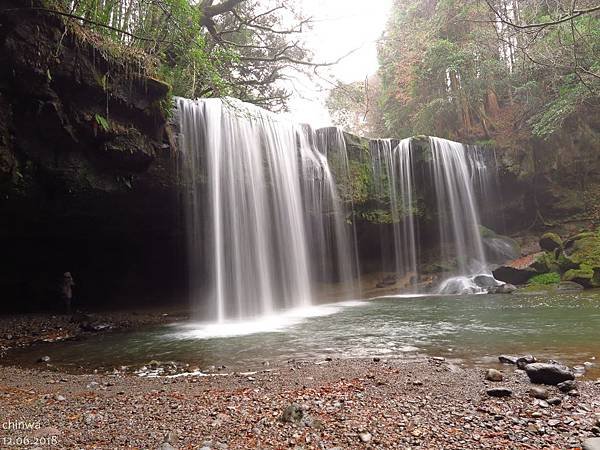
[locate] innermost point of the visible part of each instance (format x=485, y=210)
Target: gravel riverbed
x=338, y=404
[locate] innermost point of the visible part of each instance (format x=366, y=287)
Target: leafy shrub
x=545, y=278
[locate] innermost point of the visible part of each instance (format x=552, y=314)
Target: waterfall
x=394, y=181
x=263, y=218
x=450, y=174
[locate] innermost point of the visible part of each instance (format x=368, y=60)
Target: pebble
x=567, y=386
x=554, y=401
x=591, y=444
x=493, y=375
x=59, y=398
x=539, y=393
x=365, y=437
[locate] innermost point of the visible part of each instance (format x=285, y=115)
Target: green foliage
x=102, y=121
x=447, y=70
x=545, y=278
x=551, y=119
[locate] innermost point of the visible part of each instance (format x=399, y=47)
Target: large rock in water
x=498, y=248
x=517, y=271
x=552, y=374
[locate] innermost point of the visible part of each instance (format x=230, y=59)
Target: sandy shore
x=343, y=404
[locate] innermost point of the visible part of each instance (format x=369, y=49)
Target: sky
x=339, y=26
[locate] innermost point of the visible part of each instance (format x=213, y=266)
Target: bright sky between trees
x=339, y=27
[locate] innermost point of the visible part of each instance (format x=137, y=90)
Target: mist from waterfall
x=263, y=218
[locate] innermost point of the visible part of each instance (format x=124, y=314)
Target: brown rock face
x=87, y=176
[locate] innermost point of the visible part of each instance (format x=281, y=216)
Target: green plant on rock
x=545, y=279
x=102, y=122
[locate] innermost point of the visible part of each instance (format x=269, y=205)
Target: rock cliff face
x=87, y=175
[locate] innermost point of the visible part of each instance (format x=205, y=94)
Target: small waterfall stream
x=454, y=171
x=263, y=216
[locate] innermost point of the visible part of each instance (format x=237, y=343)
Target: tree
x=242, y=48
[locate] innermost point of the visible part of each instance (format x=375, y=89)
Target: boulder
x=505, y=288
x=498, y=249
x=522, y=361
x=551, y=374
x=567, y=386
x=583, y=276
x=485, y=281
x=517, y=271
x=550, y=241
x=569, y=286
x=546, y=262
x=507, y=359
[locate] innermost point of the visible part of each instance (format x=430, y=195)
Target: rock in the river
x=507, y=359
x=567, y=386
x=493, y=375
x=552, y=374
x=550, y=241
x=522, y=361
x=513, y=273
x=44, y=359
x=499, y=392
x=539, y=393
x=505, y=288
x=591, y=444
x=485, y=281
x=569, y=286
x=292, y=414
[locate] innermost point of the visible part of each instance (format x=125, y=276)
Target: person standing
x=66, y=290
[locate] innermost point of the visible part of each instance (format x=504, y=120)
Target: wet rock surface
x=546, y=373
x=352, y=403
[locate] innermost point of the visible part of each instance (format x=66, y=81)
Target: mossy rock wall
x=88, y=180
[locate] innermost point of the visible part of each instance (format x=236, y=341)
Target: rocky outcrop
x=87, y=175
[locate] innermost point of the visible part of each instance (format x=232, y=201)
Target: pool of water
x=471, y=329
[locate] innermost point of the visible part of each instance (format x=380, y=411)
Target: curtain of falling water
x=455, y=173
x=253, y=179
x=393, y=173
x=457, y=208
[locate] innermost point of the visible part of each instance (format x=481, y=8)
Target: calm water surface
x=470, y=329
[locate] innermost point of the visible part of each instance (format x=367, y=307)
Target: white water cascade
x=452, y=172
x=264, y=222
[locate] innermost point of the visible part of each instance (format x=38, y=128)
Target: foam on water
x=272, y=323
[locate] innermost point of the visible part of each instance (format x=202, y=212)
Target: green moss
x=565, y=263
x=546, y=262
x=545, y=279
x=486, y=232
x=377, y=216
x=585, y=249
x=583, y=275
x=550, y=241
